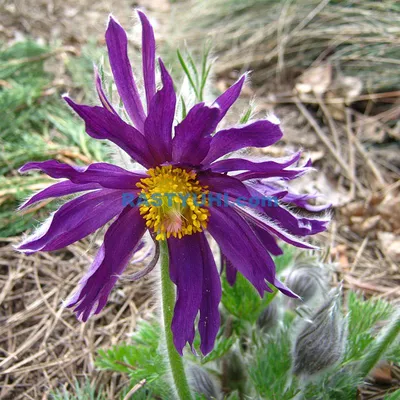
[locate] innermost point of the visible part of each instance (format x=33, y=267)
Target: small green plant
x=36, y=124
x=197, y=76
x=80, y=391
x=140, y=359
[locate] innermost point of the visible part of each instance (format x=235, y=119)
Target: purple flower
x=185, y=159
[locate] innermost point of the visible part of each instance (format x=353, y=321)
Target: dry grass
x=42, y=345
x=279, y=39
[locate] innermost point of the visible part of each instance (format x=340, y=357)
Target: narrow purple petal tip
x=148, y=54
x=159, y=122
x=117, y=45
x=226, y=99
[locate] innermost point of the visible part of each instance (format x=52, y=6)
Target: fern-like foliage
x=140, y=359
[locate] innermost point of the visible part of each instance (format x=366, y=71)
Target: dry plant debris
x=43, y=345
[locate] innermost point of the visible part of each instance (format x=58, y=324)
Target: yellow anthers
x=173, y=202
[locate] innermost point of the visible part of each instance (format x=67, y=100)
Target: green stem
x=384, y=340
x=175, y=361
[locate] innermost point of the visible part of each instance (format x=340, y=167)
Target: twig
x=365, y=286
x=351, y=152
x=359, y=254
x=331, y=124
x=335, y=100
x=135, y=389
x=369, y=161
x=328, y=144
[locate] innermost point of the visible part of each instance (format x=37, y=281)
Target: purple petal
x=226, y=99
x=75, y=220
x=158, y=125
x=285, y=174
x=59, y=189
x=102, y=124
x=193, y=135
x=100, y=92
x=209, y=321
x=282, y=192
x=186, y=271
x=241, y=246
x=119, y=244
x=260, y=133
x=229, y=186
x=238, y=164
x=301, y=200
x=117, y=44
x=145, y=254
x=106, y=175
x=149, y=57
x=268, y=241
x=294, y=224
x=276, y=282
x=268, y=189
x=284, y=289
x=265, y=223
x=231, y=272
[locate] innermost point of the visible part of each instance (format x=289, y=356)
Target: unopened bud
x=268, y=317
x=307, y=281
x=234, y=371
x=202, y=383
x=320, y=343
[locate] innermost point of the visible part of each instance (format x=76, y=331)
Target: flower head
x=321, y=341
x=183, y=164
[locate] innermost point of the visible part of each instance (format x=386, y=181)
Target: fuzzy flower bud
x=307, y=280
x=202, y=383
x=320, y=343
x=234, y=372
x=268, y=317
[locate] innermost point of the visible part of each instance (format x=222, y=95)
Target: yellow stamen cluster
x=174, y=202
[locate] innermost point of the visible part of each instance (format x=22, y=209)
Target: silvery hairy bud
x=308, y=280
x=233, y=371
x=201, y=382
x=268, y=317
x=320, y=343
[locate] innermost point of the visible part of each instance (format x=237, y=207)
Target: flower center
x=173, y=202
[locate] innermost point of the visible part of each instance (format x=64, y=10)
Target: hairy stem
x=384, y=340
x=175, y=361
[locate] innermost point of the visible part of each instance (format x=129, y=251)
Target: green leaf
x=247, y=115
x=270, y=365
x=242, y=300
x=233, y=396
x=140, y=359
x=184, y=111
x=393, y=396
x=80, y=391
x=222, y=346
x=284, y=261
x=205, y=70
x=187, y=73
x=363, y=317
